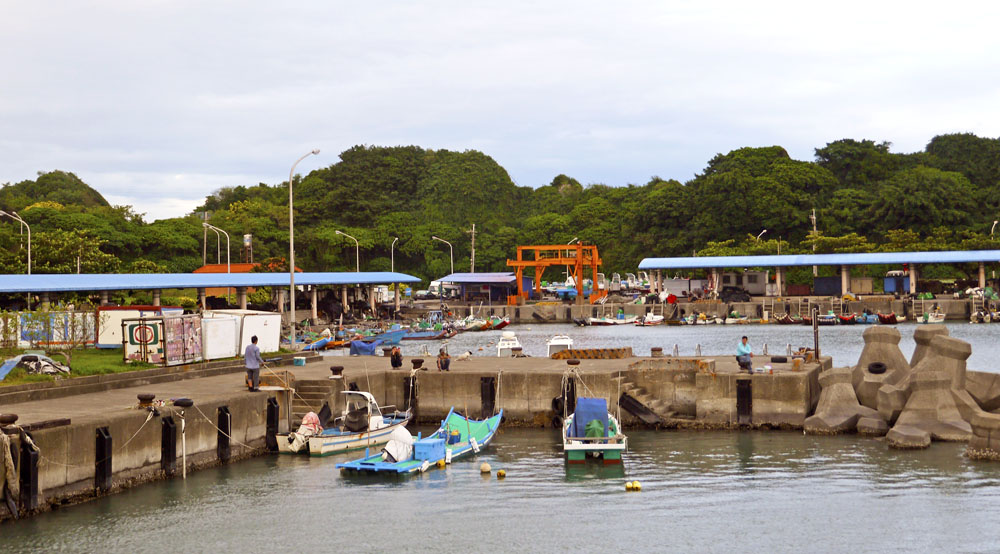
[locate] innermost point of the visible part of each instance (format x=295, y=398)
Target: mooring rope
x=212, y=423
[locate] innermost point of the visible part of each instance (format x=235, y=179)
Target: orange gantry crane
x=574, y=257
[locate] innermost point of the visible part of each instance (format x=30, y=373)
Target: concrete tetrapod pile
x=911, y=403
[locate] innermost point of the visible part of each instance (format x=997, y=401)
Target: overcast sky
x=158, y=103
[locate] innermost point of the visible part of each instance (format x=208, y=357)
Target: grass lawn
x=84, y=362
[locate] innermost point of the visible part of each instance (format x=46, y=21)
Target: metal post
x=451, y=251
x=357, y=251
x=291, y=241
x=815, y=322
x=314, y=303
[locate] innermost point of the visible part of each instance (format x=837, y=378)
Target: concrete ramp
x=639, y=410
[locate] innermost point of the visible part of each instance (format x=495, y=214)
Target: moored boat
x=506, y=345
x=457, y=437
x=592, y=431
x=866, y=319
x=650, y=319
x=848, y=319
x=361, y=425
x=827, y=319
x=890, y=318
x=935, y=316
x=787, y=319
x=558, y=343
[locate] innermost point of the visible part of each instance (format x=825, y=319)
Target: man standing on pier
x=744, y=354
x=253, y=361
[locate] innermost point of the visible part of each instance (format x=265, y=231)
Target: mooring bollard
x=765, y=349
x=788, y=350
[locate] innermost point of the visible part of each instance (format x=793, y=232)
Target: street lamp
x=218, y=238
x=567, y=254
x=812, y=216
x=761, y=234
x=291, y=243
x=357, y=252
x=217, y=231
x=450, y=250
x=15, y=217
x=392, y=255
x=993, y=271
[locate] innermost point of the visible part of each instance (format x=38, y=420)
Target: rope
x=212, y=423
x=41, y=456
x=285, y=384
x=498, y=397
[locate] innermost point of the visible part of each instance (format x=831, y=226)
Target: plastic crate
x=428, y=449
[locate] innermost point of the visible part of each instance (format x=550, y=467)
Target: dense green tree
x=923, y=198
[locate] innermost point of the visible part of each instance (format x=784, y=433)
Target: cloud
x=157, y=104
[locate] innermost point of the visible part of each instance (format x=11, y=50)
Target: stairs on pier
x=636, y=401
x=310, y=395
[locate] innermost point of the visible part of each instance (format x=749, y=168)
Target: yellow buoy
x=501, y=473
x=636, y=486
x=485, y=468
x=628, y=485
x=440, y=463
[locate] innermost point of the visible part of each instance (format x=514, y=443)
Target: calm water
x=843, y=342
x=702, y=492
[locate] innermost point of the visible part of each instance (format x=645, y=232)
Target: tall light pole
x=567, y=252
x=291, y=243
x=451, y=251
x=357, y=251
x=993, y=271
x=813, y=218
x=392, y=255
x=217, y=231
x=761, y=234
x=15, y=217
x=218, y=237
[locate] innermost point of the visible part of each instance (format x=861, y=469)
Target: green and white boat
x=457, y=437
x=592, y=431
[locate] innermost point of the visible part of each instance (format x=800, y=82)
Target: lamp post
x=813, y=218
x=217, y=231
x=218, y=237
x=574, y=239
x=357, y=251
x=392, y=255
x=992, y=271
x=291, y=243
x=15, y=217
x=761, y=234
x=450, y=250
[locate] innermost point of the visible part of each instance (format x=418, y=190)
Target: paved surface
x=82, y=407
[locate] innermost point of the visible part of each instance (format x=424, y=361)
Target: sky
x=157, y=104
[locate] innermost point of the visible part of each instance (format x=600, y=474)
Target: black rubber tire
x=876, y=368
x=557, y=405
x=779, y=359
x=556, y=422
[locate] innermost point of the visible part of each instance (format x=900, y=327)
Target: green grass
x=88, y=361
x=83, y=362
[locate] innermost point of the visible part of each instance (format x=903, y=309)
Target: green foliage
x=866, y=199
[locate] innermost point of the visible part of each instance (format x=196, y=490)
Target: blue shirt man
x=744, y=353
x=253, y=361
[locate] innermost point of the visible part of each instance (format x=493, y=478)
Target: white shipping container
x=220, y=336
x=266, y=325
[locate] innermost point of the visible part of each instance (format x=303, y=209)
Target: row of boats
x=396, y=333
x=591, y=431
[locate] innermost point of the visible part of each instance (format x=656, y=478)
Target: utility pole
x=472, y=262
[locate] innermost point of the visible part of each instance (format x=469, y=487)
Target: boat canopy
x=587, y=410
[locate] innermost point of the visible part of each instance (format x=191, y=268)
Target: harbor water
x=701, y=492
x=843, y=342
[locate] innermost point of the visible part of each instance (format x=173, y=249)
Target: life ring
x=876, y=368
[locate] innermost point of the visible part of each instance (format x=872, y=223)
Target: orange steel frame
x=575, y=256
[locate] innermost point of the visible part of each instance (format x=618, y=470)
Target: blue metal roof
x=943, y=257
x=504, y=278
x=147, y=281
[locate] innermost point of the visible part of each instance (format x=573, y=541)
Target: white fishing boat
x=621, y=320
x=506, y=345
x=936, y=316
x=361, y=425
x=650, y=319
x=558, y=343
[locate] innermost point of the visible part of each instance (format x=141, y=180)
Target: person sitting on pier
x=396, y=358
x=744, y=354
x=443, y=360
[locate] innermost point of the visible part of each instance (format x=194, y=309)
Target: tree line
x=866, y=198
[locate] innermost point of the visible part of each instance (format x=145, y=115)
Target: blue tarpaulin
x=587, y=410
x=362, y=348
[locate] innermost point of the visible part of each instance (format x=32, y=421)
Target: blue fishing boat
x=391, y=337
x=866, y=319
x=458, y=436
x=318, y=345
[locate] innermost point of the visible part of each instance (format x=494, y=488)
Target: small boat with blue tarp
x=593, y=430
x=458, y=436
